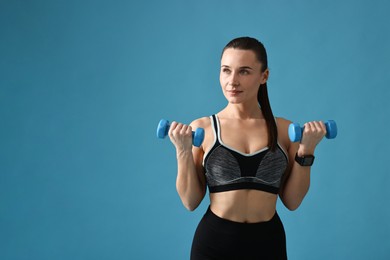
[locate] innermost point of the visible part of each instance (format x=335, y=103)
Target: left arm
x=296, y=181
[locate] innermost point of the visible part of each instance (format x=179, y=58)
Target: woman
x=246, y=160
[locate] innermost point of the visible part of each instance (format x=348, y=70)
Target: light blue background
x=83, y=85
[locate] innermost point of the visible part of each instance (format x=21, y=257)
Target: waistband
x=233, y=226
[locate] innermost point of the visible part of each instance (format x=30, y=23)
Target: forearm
x=296, y=186
x=188, y=184
x=298, y=182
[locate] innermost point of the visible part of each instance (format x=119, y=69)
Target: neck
x=243, y=111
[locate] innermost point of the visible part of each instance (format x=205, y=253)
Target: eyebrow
x=243, y=67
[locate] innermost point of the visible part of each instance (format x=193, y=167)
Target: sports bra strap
x=215, y=126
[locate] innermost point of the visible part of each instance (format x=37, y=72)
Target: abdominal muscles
x=246, y=206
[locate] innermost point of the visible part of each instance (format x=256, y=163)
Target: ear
x=264, y=76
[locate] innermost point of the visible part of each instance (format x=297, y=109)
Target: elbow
x=190, y=206
x=293, y=206
x=290, y=204
x=292, y=201
x=189, y=203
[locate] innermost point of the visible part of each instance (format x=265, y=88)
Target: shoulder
x=203, y=122
x=282, y=122
x=282, y=125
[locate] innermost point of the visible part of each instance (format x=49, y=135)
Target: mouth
x=234, y=92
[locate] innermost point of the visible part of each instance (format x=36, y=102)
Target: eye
x=244, y=72
x=226, y=70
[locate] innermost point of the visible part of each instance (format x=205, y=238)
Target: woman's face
x=241, y=75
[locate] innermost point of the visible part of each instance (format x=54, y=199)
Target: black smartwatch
x=306, y=160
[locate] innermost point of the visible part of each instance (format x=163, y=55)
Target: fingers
x=315, y=129
x=312, y=134
x=181, y=136
x=179, y=129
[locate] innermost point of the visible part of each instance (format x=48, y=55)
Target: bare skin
x=243, y=128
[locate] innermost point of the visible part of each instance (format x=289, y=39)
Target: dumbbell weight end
x=163, y=128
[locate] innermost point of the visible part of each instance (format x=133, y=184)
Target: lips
x=234, y=92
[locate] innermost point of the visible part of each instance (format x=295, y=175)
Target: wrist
x=302, y=151
x=183, y=153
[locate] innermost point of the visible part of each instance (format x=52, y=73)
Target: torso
x=245, y=205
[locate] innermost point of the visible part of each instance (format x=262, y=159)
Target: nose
x=234, y=79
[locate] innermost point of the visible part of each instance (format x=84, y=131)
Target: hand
x=181, y=136
x=313, y=133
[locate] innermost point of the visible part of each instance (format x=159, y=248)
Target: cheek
x=256, y=81
x=222, y=80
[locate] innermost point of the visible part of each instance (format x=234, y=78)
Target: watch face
x=308, y=161
x=305, y=160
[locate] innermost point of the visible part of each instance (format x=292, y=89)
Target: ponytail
x=262, y=97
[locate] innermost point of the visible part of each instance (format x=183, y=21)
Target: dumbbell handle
x=163, y=128
x=295, y=131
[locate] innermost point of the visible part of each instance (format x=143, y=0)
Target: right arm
x=190, y=182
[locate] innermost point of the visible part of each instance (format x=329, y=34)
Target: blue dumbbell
x=295, y=131
x=163, y=128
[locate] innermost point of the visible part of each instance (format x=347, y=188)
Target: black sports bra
x=228, y=169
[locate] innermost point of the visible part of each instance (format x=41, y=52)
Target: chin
x=235, y=101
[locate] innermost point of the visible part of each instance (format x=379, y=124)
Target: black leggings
x=217, y=238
